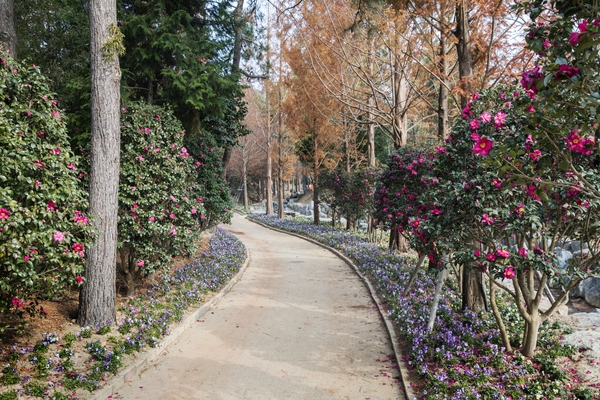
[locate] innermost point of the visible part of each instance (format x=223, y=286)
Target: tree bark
x=465, y=59
x=443, y=92
x=316, y=201
x=98, y=295
x=8, y=34
x=472, y=282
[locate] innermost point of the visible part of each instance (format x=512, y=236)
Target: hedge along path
x=299, y=325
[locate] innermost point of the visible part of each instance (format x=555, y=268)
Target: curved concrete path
x=298, y=325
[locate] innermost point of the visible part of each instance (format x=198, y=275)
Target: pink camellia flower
x=141, y=158
x=26, y=258
x=436, y=211
x=535, y=155
x=71, y=166
x=523, y=252
x=140, y=263
x=520, y=208
x=172, y=198
x=582, y=26
x=491, y=257
x=546, y=44
x=483, y=146
x=474, y=124
x=38, y=184
x=55, y=114
x=58, y=236
x=531, y=109
x=184, y=153
x=497, y=183
x=17, y=302
x=509, y=272
x=415, y=223
x=503, y=253
x=487, y=220
x=202, y=217
x=200, y=199
x=485, y=117
x=172, y=216
x=467, y=112
x=51, y=205
x=173, y=232
x=441, y=149
x=574, y=38
x=152, y=219
x=38, y=164
x=146, y=130
x=4, y=213
x=79, y=217
x=567, y=70
x=193, y=211
x=79, y=279
x=574, y=141
x=499, y=119
x=477, y=253
x=56, y=151
x=530, y=78
x=77, y=247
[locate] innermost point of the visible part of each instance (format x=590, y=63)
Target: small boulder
x=591, y=289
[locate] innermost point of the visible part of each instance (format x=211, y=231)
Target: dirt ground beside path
x=298, y=325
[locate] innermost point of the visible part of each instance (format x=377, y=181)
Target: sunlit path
x=298, y=325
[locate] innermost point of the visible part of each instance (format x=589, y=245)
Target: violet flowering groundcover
x=463, y=357
x=56, y=367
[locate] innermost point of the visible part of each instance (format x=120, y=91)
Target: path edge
x=389, y=326
x=129, y=373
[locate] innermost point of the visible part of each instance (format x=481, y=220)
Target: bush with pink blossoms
x=43, y=226
x=160, y=205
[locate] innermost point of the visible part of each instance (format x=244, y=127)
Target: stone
x=585, y=340
x=592, y=291
x=577, y=292
x=562, y=257
x=574, y=246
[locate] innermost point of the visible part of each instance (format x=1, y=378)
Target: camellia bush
x=160, y=207
x=209, y=176
x=44, y=230
x=401, y=203
x=350, y=194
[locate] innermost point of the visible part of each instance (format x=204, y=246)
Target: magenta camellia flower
x=574, y=141
x=509, y=272
x=152, y=219
x=483, y=146
x=193, y=211
x=497, y=183
x=477, y=253
x=529, y=78
x=415, y=223
x=4, y=213
x=77, y=247
x=485, y=117
x=55, y=114
x=26, y=258
x=491, y=257
x=567, y=70
x=503, y=253
x=38, y=164
x=531, y=109
x=523, y=252
x=141, y=158
x=535, y=155
x=574, y=38
x=172, y=216
x=79, y=279
x=140, y=263
x=474, y=124
x=58, y=236
x=173, y=232
x=486, y=219
x=72, y=166
x=17, y=302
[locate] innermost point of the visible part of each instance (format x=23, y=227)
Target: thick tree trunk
x=8, y=34
x=472, y=283
x=530, y=336
x=98, y=295
x=465, y=60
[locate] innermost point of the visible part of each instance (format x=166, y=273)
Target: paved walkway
x=298, y=325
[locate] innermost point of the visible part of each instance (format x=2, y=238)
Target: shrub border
x=389, y=326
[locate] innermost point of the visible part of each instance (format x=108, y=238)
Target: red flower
x=509, y=272
x=79, y=279
x=483, y=146
x=17, y=302
x=77, y=247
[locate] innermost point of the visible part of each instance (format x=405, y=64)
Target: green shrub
x=43, y=228
x=160, y=208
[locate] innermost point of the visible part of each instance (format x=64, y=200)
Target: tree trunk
x=465, y=60
x=472, y=282
x=237, y=58
x=400, y=87
x=245, y=180
x=498, y=317
x=97, y=300
x=443, y=92
x=530, y=336
x=8, y=35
